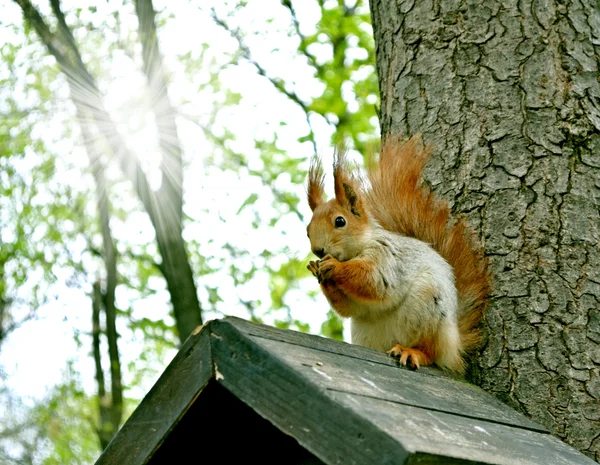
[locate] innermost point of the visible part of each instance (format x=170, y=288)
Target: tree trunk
x=105, y=428
x=164, y=207
x=114, y=407
x=175, y=266
x=157, y=82
x=508, y=94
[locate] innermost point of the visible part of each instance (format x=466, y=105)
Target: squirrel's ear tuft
x=353, y=201
x=346, y=192
x=316, y=181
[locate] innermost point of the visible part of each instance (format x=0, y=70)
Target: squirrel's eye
x=340, y=222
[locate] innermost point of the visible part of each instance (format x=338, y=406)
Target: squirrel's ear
x=316, y=180
x=346, y=193
x=352, y=200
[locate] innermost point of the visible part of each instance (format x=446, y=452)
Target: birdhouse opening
x=220, y=428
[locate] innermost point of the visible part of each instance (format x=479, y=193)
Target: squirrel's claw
x=313, y=267
x=326, y=266
x=411, y=357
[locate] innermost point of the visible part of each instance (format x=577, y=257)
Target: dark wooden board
x=429, y=434
x=342, y=403
x=391, y=383
x=312, y=341
x=290, y=401
x=163, y=406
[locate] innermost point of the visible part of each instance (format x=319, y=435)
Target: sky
x=34, y=356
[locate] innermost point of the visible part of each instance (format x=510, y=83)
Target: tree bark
x=163, y=208
x=508, y=94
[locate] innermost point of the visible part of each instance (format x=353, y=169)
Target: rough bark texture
x=508, y=93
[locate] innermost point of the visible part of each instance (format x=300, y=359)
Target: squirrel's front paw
x=327, y=266
x=313, y=267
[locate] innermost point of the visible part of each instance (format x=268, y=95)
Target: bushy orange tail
x=401, y=202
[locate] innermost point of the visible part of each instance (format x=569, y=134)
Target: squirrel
x=391, y=258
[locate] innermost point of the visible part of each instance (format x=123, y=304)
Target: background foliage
x=256, y=89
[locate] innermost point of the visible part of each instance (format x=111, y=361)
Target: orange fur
x=324, y=216
x=337, y=298
x=401, y=202
x=316, y=182
x=422, y=353
x=397, y=200
x=341, y=173
x=411, y=356
x=340, y=280
x=356, y=279
x=346, y=188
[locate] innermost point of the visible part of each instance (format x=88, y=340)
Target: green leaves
x=332, y=327
x=341, y=52
x=252, y=198
x=256, y=96
x=338, y=52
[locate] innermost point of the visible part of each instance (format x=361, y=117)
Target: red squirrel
x=411, y=278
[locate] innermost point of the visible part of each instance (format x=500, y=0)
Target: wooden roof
x=341, y=403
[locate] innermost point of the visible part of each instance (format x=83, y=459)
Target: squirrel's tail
x=401, y=202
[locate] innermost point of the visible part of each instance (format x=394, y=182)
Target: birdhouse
x=239, y=392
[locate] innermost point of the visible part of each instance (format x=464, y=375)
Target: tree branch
x=33, y=17
x=303, y=42
x=277, y=83
x=86, y=94
x=112, y=411
x=161, y=208
x=89, y=106
x=175, y=265
x=64, y=29
x=104, y=429
x=110, y=263
x=171, y=164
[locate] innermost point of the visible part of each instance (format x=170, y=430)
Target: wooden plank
x=362, y=377
x=296, y=405
x=164, y=405
x=342, y=408
x=435, y=434
x=314, y=342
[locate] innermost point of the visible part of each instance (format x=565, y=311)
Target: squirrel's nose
x=319, y=252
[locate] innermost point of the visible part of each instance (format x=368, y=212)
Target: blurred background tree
x=152, y=161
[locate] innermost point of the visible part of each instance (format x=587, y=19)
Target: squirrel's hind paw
x=409, y=356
